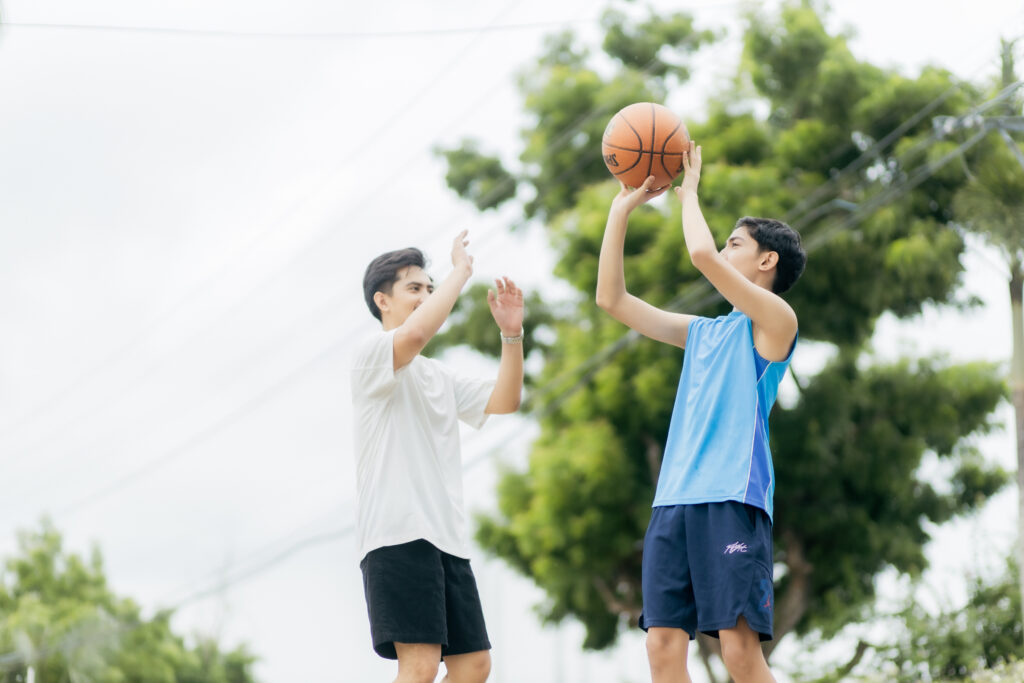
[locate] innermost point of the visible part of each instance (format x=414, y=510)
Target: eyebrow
x=420, y=283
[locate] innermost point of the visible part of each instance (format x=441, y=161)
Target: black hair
x=383, y=273
x=773, y=235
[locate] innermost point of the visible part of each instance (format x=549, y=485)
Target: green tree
x=957, y=644
x=59, y=618
x=992, y=205
x=874, y=208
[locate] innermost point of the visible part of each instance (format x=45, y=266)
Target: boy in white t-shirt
x=421, y=596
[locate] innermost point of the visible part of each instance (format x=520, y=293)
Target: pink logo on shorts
x=736, y=547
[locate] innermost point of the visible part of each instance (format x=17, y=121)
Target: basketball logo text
x=610, y=160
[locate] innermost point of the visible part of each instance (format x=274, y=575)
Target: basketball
x=645, y=139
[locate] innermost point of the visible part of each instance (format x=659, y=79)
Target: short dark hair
x=773, y=235
x=383, y=273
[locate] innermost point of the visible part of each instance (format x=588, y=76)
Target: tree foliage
x=59, y=617
x=850, y=500
x=957, y=644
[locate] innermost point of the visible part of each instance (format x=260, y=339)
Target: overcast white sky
x=185, y=219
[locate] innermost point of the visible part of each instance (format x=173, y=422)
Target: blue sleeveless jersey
x=717, y=446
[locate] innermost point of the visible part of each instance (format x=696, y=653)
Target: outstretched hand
x=460, y=257
x=506, y=306
x=691, y=170
x=629, y=199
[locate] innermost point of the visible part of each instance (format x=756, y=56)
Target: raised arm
x=507, y=309
x=424, y=322
x=774, y=321
x=612, y=295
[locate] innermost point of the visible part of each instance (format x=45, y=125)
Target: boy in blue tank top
x=707, y=559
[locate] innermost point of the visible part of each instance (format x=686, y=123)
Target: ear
x=381, y=299
x=769, y=259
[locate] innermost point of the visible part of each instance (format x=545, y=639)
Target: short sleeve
x=373, y=367
x=471, y=397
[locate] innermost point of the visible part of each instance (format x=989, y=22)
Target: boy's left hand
x=507, y=306
x=629, y=199
x=691, y=170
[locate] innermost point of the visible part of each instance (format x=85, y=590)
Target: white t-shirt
x=408, y=465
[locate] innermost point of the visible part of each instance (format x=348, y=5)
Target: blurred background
x=189, y=194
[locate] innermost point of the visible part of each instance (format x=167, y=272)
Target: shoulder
x=775, y=345
x=371, y=346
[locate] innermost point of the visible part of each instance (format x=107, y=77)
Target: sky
x=186, y=209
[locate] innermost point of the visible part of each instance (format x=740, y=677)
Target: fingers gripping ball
x=645, y=139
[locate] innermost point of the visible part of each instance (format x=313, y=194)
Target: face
x=411, y=290
x=744, y=253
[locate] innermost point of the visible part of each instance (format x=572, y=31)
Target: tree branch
x=796, y=600
x=614, y=603
x=706, y=648
x=862, y=648
x=653, y=452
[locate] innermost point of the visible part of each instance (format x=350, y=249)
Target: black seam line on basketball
x=630, y=167
x=668, y=137
x=650, y=163
x=641, y=151
x=639, y=138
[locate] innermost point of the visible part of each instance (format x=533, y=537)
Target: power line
x=211, y=430
x=203, y=287
x=692, y=297
x=700, y=294
x=888, y=195
x=15, y=658
x=247, y=407
x=563, y=138
x=302, y=35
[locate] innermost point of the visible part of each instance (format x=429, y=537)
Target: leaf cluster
x=59, y=617
x=834, y=157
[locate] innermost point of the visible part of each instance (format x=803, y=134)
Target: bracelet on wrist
x=518, y=339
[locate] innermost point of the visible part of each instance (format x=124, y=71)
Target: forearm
x=611, y=278
x=424, y=322
x=508, y=389
x=699, y=241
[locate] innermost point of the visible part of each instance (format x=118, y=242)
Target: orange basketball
x=645, y=139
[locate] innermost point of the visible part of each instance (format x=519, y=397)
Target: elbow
x=504, y=407
x=702, y=258
x=513, y=403
x=605, y=300
x=411, y=336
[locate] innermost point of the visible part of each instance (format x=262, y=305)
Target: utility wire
x=301, y=35
x=690, y=300
x=699, y=289
x=562, y=139
x=203, y=287
x=557, y=142
x=888, y=195
x=604, y=355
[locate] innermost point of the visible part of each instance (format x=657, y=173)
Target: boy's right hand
x=460, y=257
x=628, y=199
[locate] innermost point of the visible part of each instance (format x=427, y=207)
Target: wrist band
x=518, y=339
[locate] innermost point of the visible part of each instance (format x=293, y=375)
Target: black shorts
x=416, y=593
x=706, y=565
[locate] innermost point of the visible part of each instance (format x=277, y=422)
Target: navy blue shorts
x=706, y=565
